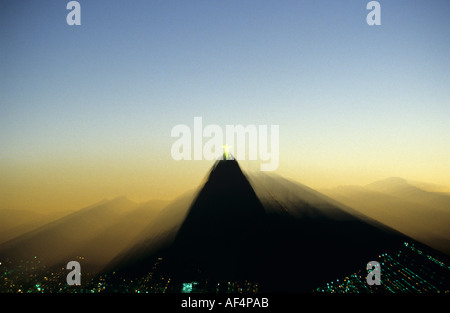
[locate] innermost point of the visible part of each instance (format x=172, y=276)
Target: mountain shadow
x=289, y=244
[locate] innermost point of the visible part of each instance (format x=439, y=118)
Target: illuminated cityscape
x=31, y=276
x=411, y=270
x=224, y=287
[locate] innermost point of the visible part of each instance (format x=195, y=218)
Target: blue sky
x=347, y=96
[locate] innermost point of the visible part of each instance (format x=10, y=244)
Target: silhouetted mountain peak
x=226, y=195
x=223, y=222
x=121, y=200
x=388, y=184
x=226, y=171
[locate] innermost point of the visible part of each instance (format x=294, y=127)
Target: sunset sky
x=86, y=111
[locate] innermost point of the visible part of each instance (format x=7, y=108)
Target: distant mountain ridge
x=14, y=223
x=420, y=214
x=98, y=232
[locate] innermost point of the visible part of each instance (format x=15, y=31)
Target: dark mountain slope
x=294, y=240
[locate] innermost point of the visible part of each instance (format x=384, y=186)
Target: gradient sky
x=86, y=111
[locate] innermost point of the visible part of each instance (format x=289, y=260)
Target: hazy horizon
x=79, y=205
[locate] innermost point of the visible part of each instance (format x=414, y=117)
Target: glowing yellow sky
x=72, y=184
